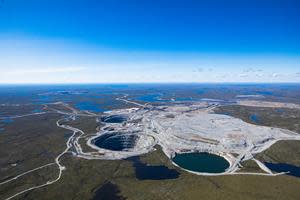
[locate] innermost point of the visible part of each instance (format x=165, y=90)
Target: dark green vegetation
x=85, y=179
x=201, y=162
x=282, y=152
x=250, y=166
x=30, y=142
x=156, y=93
x=19, y=109
x=104, y=96
x=190, y=186
x=40, y=141
x=89, y=125
x=274, y=117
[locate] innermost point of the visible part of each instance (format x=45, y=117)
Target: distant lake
x=40, y=94
x=42, y=99
x=6, y=120
x=150, y=98
x=92, y=107
x=254, y=118
x=201, y=162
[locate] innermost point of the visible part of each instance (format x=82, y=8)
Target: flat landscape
x=133, y=142
x=150, y=100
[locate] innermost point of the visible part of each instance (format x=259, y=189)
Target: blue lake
x=282, y=167
x=254, y=118
x=265, y=92
x=6, y=120
x=43, y=99
x=184, y=99
x=151, y=98
x=89, y=107
x=201, y=162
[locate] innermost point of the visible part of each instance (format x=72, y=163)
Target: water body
x=108, y=191
x=115, y=141
x=42, y=99
x=92, y=107
x=157, y=97
x=201, y=162
x=254, y=118
x=149, y=92
x=282, y=167
x=184, y=99
x=265, y=92
x=211, y=100
x=7, y=120
x=36, y=111
x=114, y=119
x=150, y=172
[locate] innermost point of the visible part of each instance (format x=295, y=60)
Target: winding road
x=73, y=147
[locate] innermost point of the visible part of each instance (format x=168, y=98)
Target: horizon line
x=135, y=83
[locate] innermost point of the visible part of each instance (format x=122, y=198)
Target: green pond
x=201, y=162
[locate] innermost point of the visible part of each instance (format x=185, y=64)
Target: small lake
x=201, y=162
x=282, y=167
x=254, y=118
x=152, y=172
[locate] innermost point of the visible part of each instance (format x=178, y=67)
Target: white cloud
x=259, y=75
x=252, y=70
x=275, y=75
x=46, y=70
x=243, y=75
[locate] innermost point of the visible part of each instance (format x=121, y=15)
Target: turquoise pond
x=201, y=162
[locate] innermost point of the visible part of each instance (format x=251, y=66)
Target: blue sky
x=71, y=41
